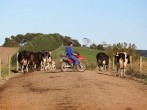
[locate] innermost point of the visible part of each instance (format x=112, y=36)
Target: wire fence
x=139, y=66
x=5, y=70
x=144, y=65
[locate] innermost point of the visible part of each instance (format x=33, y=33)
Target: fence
x=6, y=70
x=139, y=66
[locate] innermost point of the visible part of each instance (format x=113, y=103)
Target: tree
x=76, y=43
x=86, y=41
x=122, y=47
x=93, y=46
x=100, y=47
x=66, y=39
x=105, y=45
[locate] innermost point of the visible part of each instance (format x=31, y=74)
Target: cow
x=46, y=59
x=22, y=58
x=102, y=61
x=39, y=56
x=34, y=62
x=121, y=60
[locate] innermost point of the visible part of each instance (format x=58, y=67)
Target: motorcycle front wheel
x=82, y=66
x=64, y=66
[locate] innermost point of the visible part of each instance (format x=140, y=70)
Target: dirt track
x=72, y=91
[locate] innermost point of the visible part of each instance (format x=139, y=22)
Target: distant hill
x=142, y=52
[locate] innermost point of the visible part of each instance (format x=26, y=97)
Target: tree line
x=48, y=42
x=111, y=50
x=38, y=41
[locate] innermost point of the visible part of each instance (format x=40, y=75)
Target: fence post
x=113, y=64
x=17, y=63
x=9, y=64
x=131, y=62
x=140, y=65
x=109, y=67
x=0, y=67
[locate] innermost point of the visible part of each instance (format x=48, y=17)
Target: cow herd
x=120, y=60
x=31, y=61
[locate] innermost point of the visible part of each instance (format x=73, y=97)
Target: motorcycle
x=67, y=63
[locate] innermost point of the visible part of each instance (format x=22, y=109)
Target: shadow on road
x=108, y=74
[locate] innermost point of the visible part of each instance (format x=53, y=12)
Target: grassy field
x=90, y=54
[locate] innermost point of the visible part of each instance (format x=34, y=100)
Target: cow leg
x=38, y=66
x=53, y=65
x=118, y=73
x=117, y=70
x=105, y=69
x=124, y=73
x=104, y=65
x=27, y=69
x=22, y=67
x=42, y=65
x=34, y=66
x=102, y=68
x=125, y=64
x=47, y=66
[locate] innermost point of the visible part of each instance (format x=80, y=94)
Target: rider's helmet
x=70, y=42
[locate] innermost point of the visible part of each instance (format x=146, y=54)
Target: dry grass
x=134, y=71
x=144, y=67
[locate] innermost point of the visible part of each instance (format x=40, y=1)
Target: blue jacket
x=69, y=51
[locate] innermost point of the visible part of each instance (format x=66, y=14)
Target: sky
x=110, y=21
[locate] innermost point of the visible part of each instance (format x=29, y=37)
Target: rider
x=70, y=53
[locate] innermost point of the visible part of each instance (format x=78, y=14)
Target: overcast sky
x=111, y=21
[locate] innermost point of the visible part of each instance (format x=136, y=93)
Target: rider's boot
x=74, y=67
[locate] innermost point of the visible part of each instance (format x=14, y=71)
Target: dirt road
x=72, y=91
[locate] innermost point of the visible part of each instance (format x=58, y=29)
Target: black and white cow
x=121, y=61
x=102, y=61
x=23, y=57
x=47, y=62
x=32, y=61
